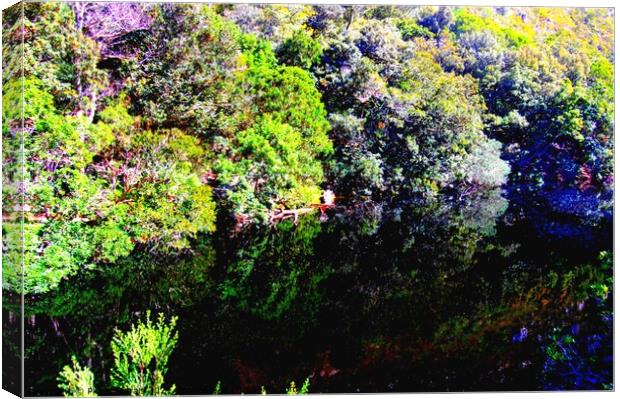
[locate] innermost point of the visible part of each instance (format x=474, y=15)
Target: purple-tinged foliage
x=111, y=24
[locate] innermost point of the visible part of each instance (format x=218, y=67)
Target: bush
x=77, y=381
x=292, y=390
x=141, y=357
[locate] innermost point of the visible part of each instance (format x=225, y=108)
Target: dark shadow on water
x=437, y=296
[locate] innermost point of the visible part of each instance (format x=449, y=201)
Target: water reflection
x=442, y=295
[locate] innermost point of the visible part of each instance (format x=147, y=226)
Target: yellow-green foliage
x=276, y=162
x=264, y=123
x=77, y=381
x=263, y=108
x=292, y=389
x=511, y=30
x=141, y=357
x=97, y=189
x=56, y=54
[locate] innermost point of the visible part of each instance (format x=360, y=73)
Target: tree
x=300, y=50
x=96, y=190
x=111, y=24
x=61, y=57
x=400, y=134
x=266, y=126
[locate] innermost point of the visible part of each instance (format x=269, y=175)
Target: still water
x=458, y=294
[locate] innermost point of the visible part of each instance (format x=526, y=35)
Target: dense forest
x=244, y=161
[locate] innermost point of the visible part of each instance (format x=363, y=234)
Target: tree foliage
x=152, y=133
x=139, y=134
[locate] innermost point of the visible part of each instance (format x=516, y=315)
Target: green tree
x=96, y=190
x=300, y=50
x=265, y=127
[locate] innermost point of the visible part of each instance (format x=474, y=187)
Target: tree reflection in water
x=436, y=296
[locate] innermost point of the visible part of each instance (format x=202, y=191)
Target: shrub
x=141, y=357
x=77, y=381
x=292, y=390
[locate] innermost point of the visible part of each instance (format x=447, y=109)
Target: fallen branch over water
x=281, y=214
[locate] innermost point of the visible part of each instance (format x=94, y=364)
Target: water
x=458, y=294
